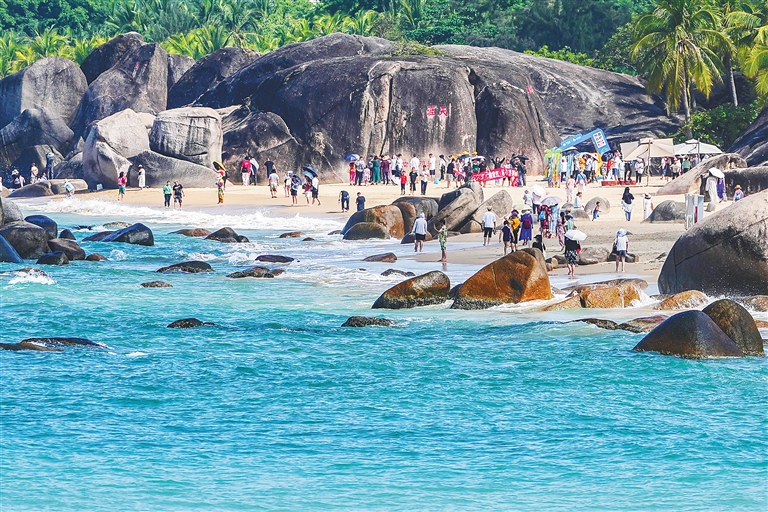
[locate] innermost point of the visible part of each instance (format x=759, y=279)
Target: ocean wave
x=136, y=354
x=258, y=219
x=31, y=276
x=118, y=255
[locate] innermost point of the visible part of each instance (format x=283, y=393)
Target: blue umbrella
x=352, y=157
x=310, y=169
x=308, y=174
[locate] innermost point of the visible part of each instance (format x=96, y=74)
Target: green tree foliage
x=721, y=125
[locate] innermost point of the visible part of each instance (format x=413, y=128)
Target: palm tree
x=756, y=63
x=49, y=43
x=10, y=45
x=212, y=38
x=677, y=45
x=329, y=23
x=363, y=23
x=184, y=44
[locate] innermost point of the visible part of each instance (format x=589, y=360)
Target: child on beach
x=596, y=211
x=506, y=236
x=403, y=183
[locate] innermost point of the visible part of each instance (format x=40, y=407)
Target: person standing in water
x=360, y=202
x=167, y=191
x=122, y=182
x=419, y=233
x=622, y=246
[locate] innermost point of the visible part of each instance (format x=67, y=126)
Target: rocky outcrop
x=426, y=205
x=186, y=267
x=53, y=84
x=160, y=168
x=256, y=271
x=395, y=272
x=39, y=189
x=753, y=143
x=387, y=257
x=226, y=235
x=291, y=234
x=9, y=212
x=188, y=323
x=691, y=335
x=7, y=253
x=690, y=182
x=593, y=255
x=423, y=290
x=29, y=241
x=365, y=321
x=517, y=277
x=191, y=133
x=605, y=205
x=33, y=127
x=207, y=72
x=70, y=168
x=501, y=204
x=69, y=247
x=725, y=254
x=621, y=296
x=195, y=232
x=737, y=324
x=53, y=258
x=110, y=143
x=274, y=258
x=137, y=234
x=139, y=82
x=47, y=223
x=110, y=53
x=463, y=204
x=178, y=65
x=751, y=180
x=388, y=217
x=95, y=257
x=684, y=300
x=668, y=211
x=156, y=284
x=367, y=231
x=98, y=237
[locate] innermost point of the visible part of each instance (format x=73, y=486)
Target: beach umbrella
x=648, y=148
x=523, y=157
x=536, y=189
x=352, y=157
x=551, y=201
x=311, y=170
x=717, y=173
x=575, y=234
x=696, y=147
x=218, y=165
x=477, y=157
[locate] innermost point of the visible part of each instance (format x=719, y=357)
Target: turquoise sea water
x=279, y=408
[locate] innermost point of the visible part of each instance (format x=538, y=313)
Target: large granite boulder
x=451, y=196
x=72, y=168
x=110, y=143
x=160, y=168
x=690, y=182
x=39, y=189
x=753, y=143
x=47, y=223
x=53, y=258
x=53, y=84
x=57, y=185
x=752, y=180
x=178, y=65
x=725, y=254
x=501, y=204
x=387, y=216
x=691, y=335
x=593, y=255
x=138, y=82
x=688, y=299
x=668, y=211
x=226, y=235
x=9, y=211
x=186, y=267
x=605, y=205
x=517, y=277
x=207, y=72
x=7, y=253
x=426, y=205
x=28, y=240
x=69, y=247
x=737, y=324
x=455, y=213
x=33, y=127
x=423, y=290
x=110, y=53
x=137, y=234
x=190, y=133
x=366, y=231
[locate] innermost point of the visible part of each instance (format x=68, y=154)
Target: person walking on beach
x=167, y=191
x=178, y=194
x=254, y=169
x=560, y=229
x=122, y=182
x=506, y=236
x=539, y=244
x=245, y=170
x=315, y=190
x=572, y=248
x=287, y=184
x=360, y=202
x=295, y=184
x=273, y=180
x=514, y=223
x=142, y=175
x=424, y=179
x=647, y=206
x=596, y=211
x=712, y=189
x=344, y=201
x=419, y=233
x=359, y=171
x=526, y=230
x=570, y=186
x=489, y=226
x=403, y=182
x=442, y=237
x=413, y=175
x=621, y=246
x=626, y=203
x=220, y=189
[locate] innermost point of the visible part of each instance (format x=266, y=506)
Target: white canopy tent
x=647, y=148
x=696, y=147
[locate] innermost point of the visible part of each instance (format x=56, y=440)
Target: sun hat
x=738, y=187
x=489, y=208
x=621, y=232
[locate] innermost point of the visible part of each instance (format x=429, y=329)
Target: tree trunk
x=687, y=107
x=731, y=81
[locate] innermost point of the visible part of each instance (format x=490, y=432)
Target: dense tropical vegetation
x=683, y=47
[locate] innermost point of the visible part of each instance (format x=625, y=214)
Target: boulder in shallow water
x=517, y=277
x=35, y=347
x=737, y=324
x=47, y=223
x=255, y=271
x=755, y=303
x=98, y=237
x=395, y=272
x=274, y=258
x=684, y=300
x=365, y=321
x=65, y=341
x=9, y=212
x=53, y=258
x=423, y=290
x=292, y=234
x=621, y=296
x=137, y=234
x=387, y=257
x=691, y=335
x=195, y=232
x=457, y=211
x=39, y=189
x=156, y=284
x=7, y=253
x=187, y=267
x=367, y=231
x=95, y=257
x=68, y=247
x=426, y=205
x=388, y=217
x=29, y=240
x=643, y=324
x=66, y=234
x=187, y=323
x=225, y=235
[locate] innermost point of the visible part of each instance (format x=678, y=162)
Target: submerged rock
x=424, y=290
x=737, y=324
x=365, y=321
x=17, y=347
x=68, y=247
x=53, y=258
x=187, y=267
x=117, y=225
x=292, y=234
x=643, y=324
x=395, y=272
x=226, y=235
x=255, y=271
x=691, y=335
x=95, y=257
x=98, y=237
x=274, y=258
x=156, y=284
x=387, y=257
x=137, y=234
x=187, y=323
x=683, y=300
x=194, y=232
x=65, y=341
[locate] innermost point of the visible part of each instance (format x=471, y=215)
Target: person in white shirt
x=432, y=167
x=273, y=180
x=647, y=206
x=415, y=163
x=316, y=190
x=622, y=246
x=419, y=233
x=489, y=225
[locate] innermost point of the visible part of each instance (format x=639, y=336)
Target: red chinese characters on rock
x=437, y=110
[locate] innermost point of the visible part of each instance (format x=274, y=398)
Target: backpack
x=527, y=223
x=542, y=216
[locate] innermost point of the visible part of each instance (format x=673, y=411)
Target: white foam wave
x=118, y=255
x=258, y=219
x=201, y=256
x=31, y=277
x=136, y=354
